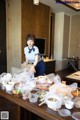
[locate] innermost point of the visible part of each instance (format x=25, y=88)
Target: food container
x=76, y=93
x=64, y=112
x=9, y=87
x=69, y=104
x=77, y=102
x=33, y=98
x=42, y=79
x=66, y=98
x=53, y=101
x=76, y=115
x=26, y=95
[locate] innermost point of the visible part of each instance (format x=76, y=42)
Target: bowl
x=69, y=104
x=41, y=79
x=77, y=102
x=9, y=87
x=64, y=112
x=76, y=115
x=54, y=102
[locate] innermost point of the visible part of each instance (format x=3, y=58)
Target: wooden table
x=43, y=111
x=75, y=77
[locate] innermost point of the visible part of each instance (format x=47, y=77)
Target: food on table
x=52, y=99
x=41, y=94
x=14, y=92
x=61, y=89
x=76, y=93
x=43, y=80
x=17, y=93
x=43, y=86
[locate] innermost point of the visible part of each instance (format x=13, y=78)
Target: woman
x=32, y=56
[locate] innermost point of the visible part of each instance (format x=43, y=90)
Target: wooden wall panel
x=35, y=20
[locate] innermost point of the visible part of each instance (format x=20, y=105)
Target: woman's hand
x=33, y=68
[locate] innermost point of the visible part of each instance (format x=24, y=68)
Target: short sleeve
x=25, y=50
x=36, y=51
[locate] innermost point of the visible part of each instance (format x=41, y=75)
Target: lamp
x=36, y=2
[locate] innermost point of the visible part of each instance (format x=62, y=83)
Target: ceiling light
x=36, y=2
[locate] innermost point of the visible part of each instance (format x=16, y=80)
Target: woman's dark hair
x=30, y=37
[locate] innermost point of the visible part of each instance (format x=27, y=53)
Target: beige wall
x=58, y=39
x=75, y=36
x=13, y=25
x=61, y=39
x=66, y=36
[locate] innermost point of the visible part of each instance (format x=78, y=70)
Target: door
x=2, y=36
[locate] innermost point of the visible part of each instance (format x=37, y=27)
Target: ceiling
x=75, y=4
x=58, y=7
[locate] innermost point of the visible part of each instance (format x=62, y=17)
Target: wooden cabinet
x=50, y=66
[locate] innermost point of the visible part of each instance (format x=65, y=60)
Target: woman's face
x=30, y=43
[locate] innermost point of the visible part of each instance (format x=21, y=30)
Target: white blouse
x=31, y=53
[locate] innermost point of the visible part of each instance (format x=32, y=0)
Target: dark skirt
x=40, y=68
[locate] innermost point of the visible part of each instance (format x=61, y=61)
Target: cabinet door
x=2, y=36
x=50, y=67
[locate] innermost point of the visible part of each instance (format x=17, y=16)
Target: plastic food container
x=69, y=104
x=64, y=112
x=9, y=87
x=53, y=101
x=25, y=95
x=77, y=102
x=33, y=98
x=76, y=115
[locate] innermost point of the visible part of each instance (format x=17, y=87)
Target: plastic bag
x=57, y=79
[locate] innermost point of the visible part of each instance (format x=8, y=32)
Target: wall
x=13, y=25
x=58, y=39
x=75, y=36
x=35, y=20
x=66, y=35
x=61, y=40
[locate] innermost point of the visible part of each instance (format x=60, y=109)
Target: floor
x=65, y=72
